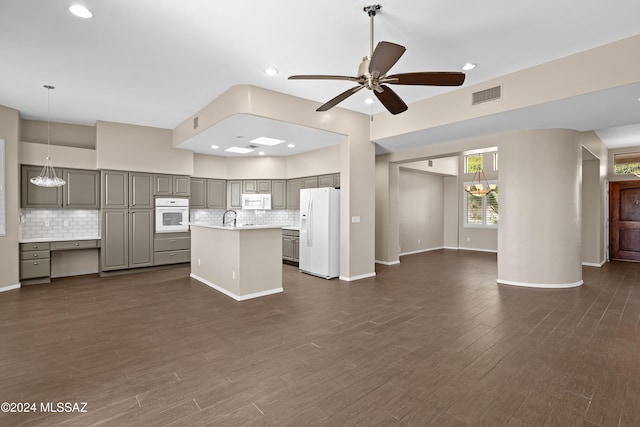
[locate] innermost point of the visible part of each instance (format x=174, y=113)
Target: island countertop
x=236, y=228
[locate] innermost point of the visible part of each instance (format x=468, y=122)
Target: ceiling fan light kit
x=372, y=74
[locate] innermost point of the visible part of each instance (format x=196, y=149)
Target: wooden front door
x=624, y=220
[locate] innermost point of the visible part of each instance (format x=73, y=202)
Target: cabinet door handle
x=172, y=254
x=35, y=255
x=77, y=244
x=35, y=262
x=35, y=246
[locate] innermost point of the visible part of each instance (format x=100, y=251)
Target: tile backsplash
x=267, y=217
x=60, y=223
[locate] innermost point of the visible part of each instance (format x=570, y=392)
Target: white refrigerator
x=320, y=232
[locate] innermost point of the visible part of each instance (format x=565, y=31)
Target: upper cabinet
x=279, y=194
x=208, y=193
x=171, y=185
x=141, y=190
x=293, y=193
x=234, y=194
x=330, y=180
x=310, y=182
x=81, y=190
x=115, y=189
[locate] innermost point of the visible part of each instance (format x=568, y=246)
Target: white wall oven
x=172, y=215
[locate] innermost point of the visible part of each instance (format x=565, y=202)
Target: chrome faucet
x=224, y=217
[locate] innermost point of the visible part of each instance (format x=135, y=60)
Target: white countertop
x=57, y=239
x=291, y=227
x=237, y=228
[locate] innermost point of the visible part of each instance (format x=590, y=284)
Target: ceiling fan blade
x=391, y=100
x=384, y=57
x=323, y=77
x=338, y=99
x=435, y=78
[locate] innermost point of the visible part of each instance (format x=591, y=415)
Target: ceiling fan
x=372, y=74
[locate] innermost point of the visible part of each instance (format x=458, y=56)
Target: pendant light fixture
x=477, y=188
x=48, y=177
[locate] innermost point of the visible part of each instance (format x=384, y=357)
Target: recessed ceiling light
x=80, y=11
x=263, y=140
x=468, y=66
x=261, y=153
x=239, y=150
x=215, y=147
x=271, y=71
x=291, y=145
x=368, y=101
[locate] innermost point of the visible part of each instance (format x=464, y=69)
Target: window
x=495, y=161
x=473, y=163
x=481, y=211
x=626, y=164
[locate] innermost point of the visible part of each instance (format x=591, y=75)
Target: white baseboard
x=421, y=250
x=234, y=296
x=493, y=251
x=362, y=276
x=540, y=285
x=387, y=262
x=594, y=264
x=455, y=248
x=10, y=288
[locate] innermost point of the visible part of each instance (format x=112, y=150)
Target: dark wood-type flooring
x=432, y=341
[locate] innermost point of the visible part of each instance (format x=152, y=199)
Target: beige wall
x=64, y=157
x=69, y=135
x=140, y=148
x=421, y=211
x=317, y=162
x=10, y=132
x=592, y=218
x=452, y=195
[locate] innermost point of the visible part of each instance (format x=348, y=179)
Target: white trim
x=493, y=251
x=10, y=288
x=594, y=264
x=387, y=262
x=421, y=250
x=234, y=296
x=362, y=276
x=540, y=285
x=455, y=248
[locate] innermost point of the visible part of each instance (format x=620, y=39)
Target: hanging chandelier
x=48, y=177
x=477, y=188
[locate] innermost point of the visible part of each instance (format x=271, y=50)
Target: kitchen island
x=242, y=262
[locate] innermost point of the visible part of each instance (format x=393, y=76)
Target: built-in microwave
x=256, y=201
x=172, y=215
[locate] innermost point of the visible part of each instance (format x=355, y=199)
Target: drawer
x=39, y=246
x=34, y=255
x=171, y=257
x=74, y=244
x=174, y=244
x=290, y=232
x=31, y=269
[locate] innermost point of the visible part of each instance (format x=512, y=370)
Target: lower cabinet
x=171, y=250
x=127, y=239
x=290, y=245
x=35, y=261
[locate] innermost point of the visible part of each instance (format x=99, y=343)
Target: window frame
x=465, y=205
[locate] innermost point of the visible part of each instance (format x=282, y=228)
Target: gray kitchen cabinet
x=291, y=245
x=140, y=238
x=293, y=193
x=198, y=199
x=33, y=196
x=234, y=194
x=310, y=182
x=114, y=189
x=171, y=185
x=263, y=186
x=35, y=263
x=141, y=190
x=279, y=194
x=249, y=186
x=81, y=190
x=114, y=254
x=329, y=180
x=171, y=250
x=216, y=193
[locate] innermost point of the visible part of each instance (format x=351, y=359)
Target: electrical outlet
x=65, y=223
x=46, y=223
x=233, y=274
x=468, y=239
x=198, y=261
x=418, y=241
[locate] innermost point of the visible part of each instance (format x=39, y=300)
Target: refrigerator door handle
x=309, y=223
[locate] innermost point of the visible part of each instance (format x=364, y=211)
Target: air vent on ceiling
x=195, y=122
x=486, y=95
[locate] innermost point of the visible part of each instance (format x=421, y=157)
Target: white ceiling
x=155, y=63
